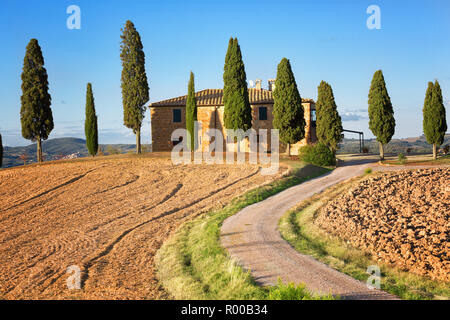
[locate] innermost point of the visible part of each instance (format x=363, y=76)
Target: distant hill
x=54, y=149
x=74, y=148
x=414, y=145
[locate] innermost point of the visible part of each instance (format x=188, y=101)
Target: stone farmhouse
x=168, y=115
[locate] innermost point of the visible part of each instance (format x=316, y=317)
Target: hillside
x=415, y=144
x=74, y=148
x=56, y=149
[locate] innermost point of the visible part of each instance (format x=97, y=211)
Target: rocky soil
x=402, y=218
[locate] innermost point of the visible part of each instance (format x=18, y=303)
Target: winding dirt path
x=252, y=238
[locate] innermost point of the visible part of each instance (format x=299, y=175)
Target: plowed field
x=402, y=218
x=106, y=216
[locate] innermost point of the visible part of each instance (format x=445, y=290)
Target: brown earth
x=107, y=216
x=402, y=218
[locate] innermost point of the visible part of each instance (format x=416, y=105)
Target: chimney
x=258, y=83
x=271, y=83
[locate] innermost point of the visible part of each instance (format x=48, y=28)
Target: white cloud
x=354, y=115
x=351, y=116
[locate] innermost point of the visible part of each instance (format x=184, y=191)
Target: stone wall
x=163, y=126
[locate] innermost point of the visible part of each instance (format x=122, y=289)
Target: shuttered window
x=176, y=115
x=262, y=113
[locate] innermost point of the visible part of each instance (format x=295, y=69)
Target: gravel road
x=252, y=238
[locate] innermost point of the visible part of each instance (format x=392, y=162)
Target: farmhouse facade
x=169, y=115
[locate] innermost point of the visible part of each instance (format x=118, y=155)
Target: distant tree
x=237, y=110
x=1, y=151
x=328, y=122
x=24, y=158
x=191, y=111
x=434, y=120
x=288, y=113
x=90, y=124
x=35, y=113
x=135, y=90
x=381, y=113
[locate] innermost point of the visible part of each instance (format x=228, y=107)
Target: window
x=176, y=115
x=262, y=113
x=313, y=117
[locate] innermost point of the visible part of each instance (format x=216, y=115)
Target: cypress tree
x=288, y=113
x=237, y=110
x=381, y=112
x=35, y=113
x=1, y=151
x=434, y=119
x=191, y=111
x=135, y=90
x=90, y=124
x=329, y=124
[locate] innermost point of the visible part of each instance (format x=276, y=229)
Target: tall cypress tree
x=191, y=111
x=288, y=113
x=90, y=124
x=434, y=119
x=237, y=112
x=135, y=90
x=35, y=113
x=329, y=124
x=381, y=112
x=1, y=151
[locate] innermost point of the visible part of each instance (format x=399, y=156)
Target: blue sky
x=325, y=40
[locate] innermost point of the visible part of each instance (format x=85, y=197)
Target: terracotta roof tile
x=214, y=97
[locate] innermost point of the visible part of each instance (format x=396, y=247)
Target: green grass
x=298, y=228
x=192, y=264
x=291, y=291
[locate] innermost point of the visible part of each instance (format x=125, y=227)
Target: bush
x=447, y=149
x=401, y=158
x=319, y=155
x=368, y=171
x=365, y=150
x=293, y=292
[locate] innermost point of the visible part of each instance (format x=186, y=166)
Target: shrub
x=318, y=154
x=447, y=149
x=365, y=150
x=293, y=292
x=401, y=158
x=368, y=171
